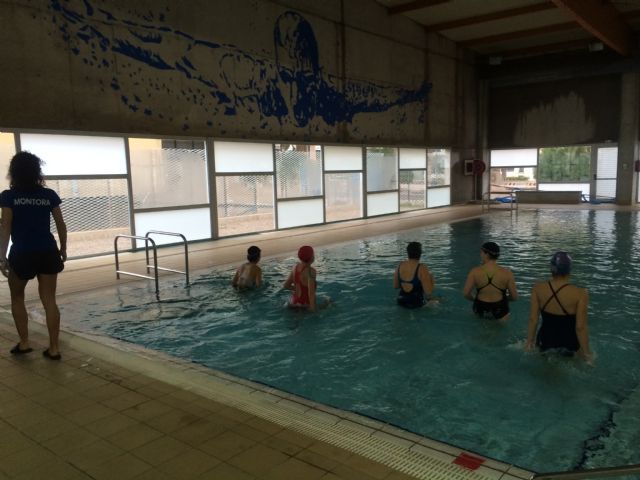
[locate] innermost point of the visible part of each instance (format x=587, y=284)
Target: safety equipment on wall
x=636, y=166
x=478, y=167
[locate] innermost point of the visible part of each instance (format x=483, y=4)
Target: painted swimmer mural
x=155, y=61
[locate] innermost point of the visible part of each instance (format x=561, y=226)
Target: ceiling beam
x=542, y=49
x=502, y=14
x=602, y=20
x=415, y=5
x=505, y=37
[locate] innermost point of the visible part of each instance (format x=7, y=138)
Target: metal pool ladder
x=591, y=473
x=148, y=240
x=486, y=200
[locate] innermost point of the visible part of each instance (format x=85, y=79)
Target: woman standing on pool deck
x=420, y=284
x=302, y=280
x=492, y=283
x=563, y=308
x=26, y=210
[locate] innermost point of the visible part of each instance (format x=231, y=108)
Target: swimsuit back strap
x=554, y=294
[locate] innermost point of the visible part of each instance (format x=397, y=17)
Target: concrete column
x=628, y=140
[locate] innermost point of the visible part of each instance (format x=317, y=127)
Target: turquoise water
x=439, y=371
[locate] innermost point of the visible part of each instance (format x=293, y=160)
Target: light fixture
x=596, y=47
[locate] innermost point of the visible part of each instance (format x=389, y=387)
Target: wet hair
x=414, y=250
x=25, y=171
x=253, y=254
x=492, y=249
x=561, y=263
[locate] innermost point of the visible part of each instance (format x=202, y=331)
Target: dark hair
x=253, y=254
x=414, y=250
x=492, y=249
x=25, y=171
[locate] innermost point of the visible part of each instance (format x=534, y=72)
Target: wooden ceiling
x=502, y=29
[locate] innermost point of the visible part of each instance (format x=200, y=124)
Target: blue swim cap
x=561, y=263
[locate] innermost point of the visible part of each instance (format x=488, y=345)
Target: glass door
x=605, y=174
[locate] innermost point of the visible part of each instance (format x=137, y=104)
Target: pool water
x=438, y=371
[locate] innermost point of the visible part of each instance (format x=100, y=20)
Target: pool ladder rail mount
x=486, y=200
x=154, y=266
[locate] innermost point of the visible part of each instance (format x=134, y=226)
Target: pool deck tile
x=94, y=416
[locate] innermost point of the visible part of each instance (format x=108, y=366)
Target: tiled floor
x=96, y=416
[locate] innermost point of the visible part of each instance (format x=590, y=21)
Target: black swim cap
x=491, y=248
x=561, y=263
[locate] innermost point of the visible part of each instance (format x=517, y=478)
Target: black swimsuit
x=414, y=298
x=498, y=309
x=557, y=331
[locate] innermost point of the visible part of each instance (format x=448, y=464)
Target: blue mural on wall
x=157, y=63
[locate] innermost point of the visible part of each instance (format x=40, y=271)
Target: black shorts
x=26, y=265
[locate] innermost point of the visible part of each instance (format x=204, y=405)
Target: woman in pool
x=494, y=285
x=413, y=279
x=302, y=281
x=27, y=208
x=563, y=308
x=249, y=274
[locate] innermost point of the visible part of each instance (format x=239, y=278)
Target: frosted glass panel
x=413, y=158
x=243, y=157
x=382, y=169
x=298, y=170
x=381, y=203
x=608, y=162
x=76, y=154
x=168, y=173
x=95, y=211
x=245, y=204
x=295, y=213
x=438, y=197
x=412, y=189
x=7, y=150
x=343, y=196
x=439, y=167
x=342, y=158
x=194, y=224
x=514, y=158
x=606, y=188
x=562, y=187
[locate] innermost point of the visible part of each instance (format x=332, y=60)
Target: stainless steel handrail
x=186, y=254
x=486, y=196
x=590, y=473
x=146, y=247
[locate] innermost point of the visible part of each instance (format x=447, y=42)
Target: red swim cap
x=305, y=253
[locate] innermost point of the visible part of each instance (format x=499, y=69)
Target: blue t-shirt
x=30, y=231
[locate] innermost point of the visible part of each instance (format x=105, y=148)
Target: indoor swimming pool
x=439, y=371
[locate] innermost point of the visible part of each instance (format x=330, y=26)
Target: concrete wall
x=556, y=113
x=339, y=71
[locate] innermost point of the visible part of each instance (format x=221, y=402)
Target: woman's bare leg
x=18, y=308
x=47, y=289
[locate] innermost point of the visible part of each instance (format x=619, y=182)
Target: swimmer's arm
x=534, y=313
x=468, y=286
x=258, y=280
x=234, y=282
x=511, y=286
x=288, y=283
x=396, y=282
x=427, y=280
x=311, y=283
x=582, y=329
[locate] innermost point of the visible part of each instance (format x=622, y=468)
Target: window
x=245, y=204
x=439, y=167
x=564, y=164
x=382, y=169
x=298, y=170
